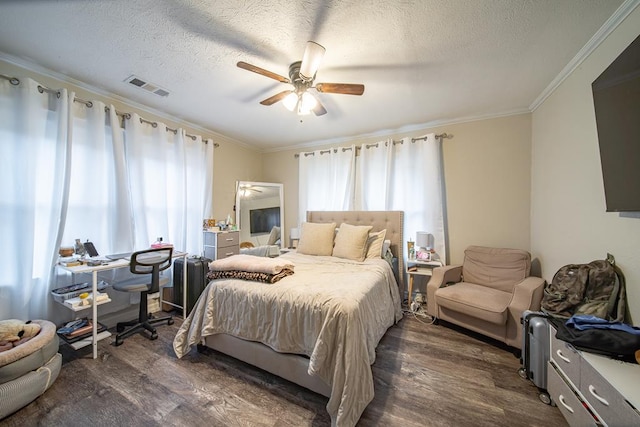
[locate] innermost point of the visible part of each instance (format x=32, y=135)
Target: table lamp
x=424, y=242
x=294, y=235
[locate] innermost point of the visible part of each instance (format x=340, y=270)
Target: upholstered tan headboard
x=392, y=221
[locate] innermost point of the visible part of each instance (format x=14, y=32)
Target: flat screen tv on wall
x=616, y=98
x=263, y=220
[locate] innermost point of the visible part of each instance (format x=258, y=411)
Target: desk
x=112, y=265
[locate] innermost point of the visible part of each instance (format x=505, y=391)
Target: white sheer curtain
x=168, y=173
x=326, y=180
x=34, y=154
x=68, y=170
x=98, y=208
x=406, y=176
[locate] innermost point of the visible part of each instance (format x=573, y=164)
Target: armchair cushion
x=478, y=301
x=498, y=268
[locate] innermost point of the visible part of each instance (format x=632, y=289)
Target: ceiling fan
x=301, y=76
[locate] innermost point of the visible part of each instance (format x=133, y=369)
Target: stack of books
x=77, y=330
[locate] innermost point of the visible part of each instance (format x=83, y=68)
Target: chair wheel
x=154, y=336
x=119, y=341
x=170, y=322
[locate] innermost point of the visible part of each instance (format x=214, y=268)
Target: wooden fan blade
x=275, y=98
x=344, y=88
x=262, y=71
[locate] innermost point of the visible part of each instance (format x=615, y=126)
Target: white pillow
x=386, y=247
x=316, y=238
x=274, y=236
x=375, y=244
x=351, y=242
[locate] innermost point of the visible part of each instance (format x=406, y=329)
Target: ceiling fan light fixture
x=307, y=103
x=290, y=101
x=311, y=60
x=301, y=76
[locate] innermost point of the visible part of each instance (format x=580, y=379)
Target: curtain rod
x=15, y=81
x=175, y=131
x=375, y=144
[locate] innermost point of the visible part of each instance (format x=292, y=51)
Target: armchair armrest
x=527, y=295
x=441, y=276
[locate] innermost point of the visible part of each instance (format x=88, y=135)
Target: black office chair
x=151, y=262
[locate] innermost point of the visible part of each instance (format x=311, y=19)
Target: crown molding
x=607, y=28
x=383, y=134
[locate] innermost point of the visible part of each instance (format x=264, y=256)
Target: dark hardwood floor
x=425, y=375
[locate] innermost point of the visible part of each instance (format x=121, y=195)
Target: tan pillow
x=375, y=243
x=351, y=242
x=316, y=239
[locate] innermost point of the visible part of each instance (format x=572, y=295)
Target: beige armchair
x=487, y=293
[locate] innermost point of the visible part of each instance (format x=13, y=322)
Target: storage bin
x=62, y=294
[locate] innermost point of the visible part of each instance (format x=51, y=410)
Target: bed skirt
x=291, y=367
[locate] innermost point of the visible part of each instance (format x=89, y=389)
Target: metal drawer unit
x=566, y=358
x=567, y=401
x=221, y=244
x=607, y=401
x=591, y=389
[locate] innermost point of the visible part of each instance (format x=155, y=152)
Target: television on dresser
x=264, y=219
x=616, y=99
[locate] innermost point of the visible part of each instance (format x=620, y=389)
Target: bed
x=318, y=327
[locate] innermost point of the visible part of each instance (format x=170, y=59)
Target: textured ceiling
x=422, y=62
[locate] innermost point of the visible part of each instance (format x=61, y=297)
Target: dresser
x=221, y=244
x=592, y=390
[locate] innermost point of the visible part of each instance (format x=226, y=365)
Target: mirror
x=259, y=208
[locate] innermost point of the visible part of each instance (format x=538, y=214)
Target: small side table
x=418, y=268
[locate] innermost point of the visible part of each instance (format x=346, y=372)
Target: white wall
x=568, y=219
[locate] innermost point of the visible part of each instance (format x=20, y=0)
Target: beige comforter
x=333, y=310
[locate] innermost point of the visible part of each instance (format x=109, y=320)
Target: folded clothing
x=585, y=321
x=251, y=264
x=248, y=275
x=616, y=343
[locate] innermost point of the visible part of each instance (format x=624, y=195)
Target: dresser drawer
x=571, y=407
x=228, y=239
x=227, y=251
x=566, y=358
x=209, y=238
x=605, y=399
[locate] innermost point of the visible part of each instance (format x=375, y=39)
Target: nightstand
x=416, y=267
